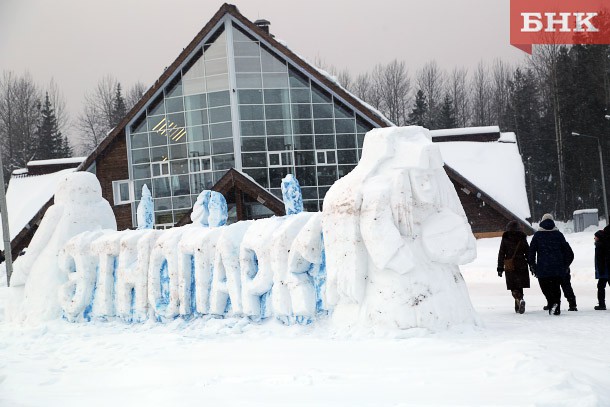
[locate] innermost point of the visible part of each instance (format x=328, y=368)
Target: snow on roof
x=581, y=211
x=464, y=130
x=20, y=171
x=56, y=161
x=25, y=196
x=495, y=168
x=508, y=137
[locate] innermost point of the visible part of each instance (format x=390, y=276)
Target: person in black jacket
x=549, y=257
x=514, y=248
x=602, y=272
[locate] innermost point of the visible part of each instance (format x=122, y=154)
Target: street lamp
x=601, y=167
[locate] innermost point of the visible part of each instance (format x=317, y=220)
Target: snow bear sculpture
x=394, y=233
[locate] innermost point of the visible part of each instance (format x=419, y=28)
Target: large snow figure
x=145, y=211
x=78, y=207
x=394, y=233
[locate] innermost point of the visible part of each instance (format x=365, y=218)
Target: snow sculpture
x=256, y=270
x=107, y=247
x=145, y=211
x=37, y=278
x=394, y=232
x=200, y=214
x=306, y=274
x=292, y=196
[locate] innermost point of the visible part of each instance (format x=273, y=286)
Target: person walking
x=549, y=257
x=602, y=272
x=512, y=261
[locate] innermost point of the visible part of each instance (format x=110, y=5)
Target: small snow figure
x=145, y=212
x=291, y=194
x=200, y=213
x=218, y=212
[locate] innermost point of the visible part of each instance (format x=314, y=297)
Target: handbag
x=509, y=264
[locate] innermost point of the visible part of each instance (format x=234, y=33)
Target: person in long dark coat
x=549, y=257
x=602, y=268
x=514, y=245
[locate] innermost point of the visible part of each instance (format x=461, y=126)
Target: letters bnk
x=558, y=22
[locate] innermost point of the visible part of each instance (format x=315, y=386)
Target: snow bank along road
x=511, y=360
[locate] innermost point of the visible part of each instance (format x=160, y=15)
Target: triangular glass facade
x=237, y=103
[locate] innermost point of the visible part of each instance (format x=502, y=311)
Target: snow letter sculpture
x=145, y=211
x=394, y=233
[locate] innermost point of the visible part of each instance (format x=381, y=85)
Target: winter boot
x=600, y=307
x=556, y=310
x=572, y=304
x=521, y=306
x=546, y=308
x=516, y=305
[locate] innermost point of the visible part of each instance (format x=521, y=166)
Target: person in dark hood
x=549, y=257
x=602, y=268
x=512, y=261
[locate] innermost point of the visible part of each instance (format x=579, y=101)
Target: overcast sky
x=76, y=42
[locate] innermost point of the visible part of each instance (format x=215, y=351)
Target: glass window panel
x=182, y=202
x=161, y=187
x=216, y=99
x=177, y=119
x=250, y=97
x=157, y=108
x=276, y=96
x=319, y=95
x=278, y=127
x=246, y=49
x=222, y=146
x=309, y=192
x=141, y=171
x=323, y=126
x=302, y=126
x=174, y=105
x=342, y=111
x=259, y=175
x=197, y=133
x=196, y=117
x=137, y=185
x=216, y=49
x=253, y=144
x=345, y=125
x=180, y=185
x=179, y=167
x=163, y=204
x=247, y=64
x=327, y=174
x=276, y=175
x=156, y=123
x=322, y=192
x=331, y=157
x=239, y=35
x=303, y=142
x=195, y=102
x=221, y=130
x=200, y=164
x=302, y=111
x=346, y=141
x=345, y=169
x=223, y=162
x=275, y=80
x=251, y=112
x=194, y=86
x=307, y=177
x=280, y=112
x=279, y=143
x=217, y=82
x=139, y=140
x=305, y=157
x=220, y=114
x=300, y=95
x=272, y=64
x=201, y=181
x=162, y=218
x=347, y=157
x=360, y=140
x=199, y=149
x=310, y=206
x=194, y=68
x=217, y=175
x=177, y=151
x=174, y=89
x=322, y=111
x=216, y=67
x=177, y=135
x=362, y=126
x=274, y=159
x=252, y=128
x=157, y=139
x=297, y=79
x=249, y=80
x=325, y=141
x=287, y=158
x=254, y=160
x=140, y=125
x=140, y=156
x=159, y=154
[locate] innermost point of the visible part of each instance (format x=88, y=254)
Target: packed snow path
x=513, y=360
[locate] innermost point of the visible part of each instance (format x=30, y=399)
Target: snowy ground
x=512, y=360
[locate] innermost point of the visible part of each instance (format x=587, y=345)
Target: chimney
x=263, y=24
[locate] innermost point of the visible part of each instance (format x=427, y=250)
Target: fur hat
x=599, y=234
x=547, y=216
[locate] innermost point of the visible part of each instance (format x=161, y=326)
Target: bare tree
x=362, y=86
x=97, y=116
x=481, y=93
x=395, y=91
x=431, y=81
x=58, y=101
x=501, y=77
x=457, y=88
x=134, y=94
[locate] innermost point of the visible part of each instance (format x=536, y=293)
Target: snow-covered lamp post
x=601, y=164
x=5, y=230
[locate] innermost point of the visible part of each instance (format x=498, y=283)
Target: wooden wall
x=484, y=220
x=112, y=165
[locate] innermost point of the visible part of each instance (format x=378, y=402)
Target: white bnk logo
x=532, y=22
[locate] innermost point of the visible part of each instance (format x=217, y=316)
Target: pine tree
x=446, y=118
x=50, y=141
x=118, y=107
x=418, y=115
